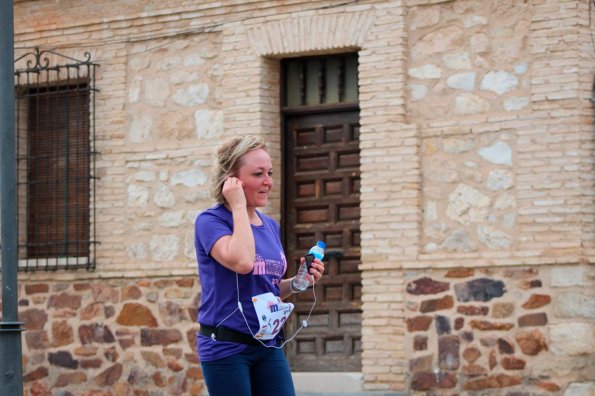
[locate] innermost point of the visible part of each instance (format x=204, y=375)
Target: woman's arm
x=315, y=275
x=284, y=288
x=236, y=251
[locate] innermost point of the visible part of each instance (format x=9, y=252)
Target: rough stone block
x=484, y=325
x=438, y=304
x=420, y=343
x=580, y=389
x=459, y=323
x=460, y=273
x=109, y=376
x=568, y=276
x=448, y=352
x=36, y=288
x=470, y=310
x=442, y=325
x=495, y=381
x=419, y=323
x=426, y=380
x=502, y=310
x=95, y=332
x=38, y=373
x=426, y=286
x=574, y=305
x=473, y=370
x=572, y=339
x=471, y=354
x=531, y=342
x=537, y=301
x=530, y=284
x=483, y=289
x=136, y=314
x=537, y=319
x=512, y=363
x=62, y=359
x=505, y=347
x=422, y=363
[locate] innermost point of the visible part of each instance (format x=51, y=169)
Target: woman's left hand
x=316, y=271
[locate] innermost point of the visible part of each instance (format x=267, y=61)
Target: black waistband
x=225, y=334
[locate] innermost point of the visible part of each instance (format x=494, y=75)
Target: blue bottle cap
x=321, y=244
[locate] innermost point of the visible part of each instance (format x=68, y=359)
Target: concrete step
x=362, y=393
x=334, y=384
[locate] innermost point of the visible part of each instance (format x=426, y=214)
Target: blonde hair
x=229, y=159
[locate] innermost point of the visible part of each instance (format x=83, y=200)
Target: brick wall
x=476, y=164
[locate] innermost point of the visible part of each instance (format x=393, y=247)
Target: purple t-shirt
x=219, y=291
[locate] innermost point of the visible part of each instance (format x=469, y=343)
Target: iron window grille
x=328, y=80
x=55, y=143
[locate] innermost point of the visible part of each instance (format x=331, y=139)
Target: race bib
x=272, y=314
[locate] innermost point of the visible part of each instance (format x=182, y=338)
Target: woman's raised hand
x=233, y=191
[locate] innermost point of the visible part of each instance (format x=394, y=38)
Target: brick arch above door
x=311, y=34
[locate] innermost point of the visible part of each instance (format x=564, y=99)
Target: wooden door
x=322, y=183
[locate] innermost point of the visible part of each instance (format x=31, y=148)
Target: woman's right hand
x=233, y=191
x=236, y=251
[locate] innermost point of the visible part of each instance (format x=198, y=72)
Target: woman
x=241, y=266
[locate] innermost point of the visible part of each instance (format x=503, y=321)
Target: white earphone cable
x=241, y=309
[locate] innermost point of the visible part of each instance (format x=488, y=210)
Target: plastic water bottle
x=300, y=281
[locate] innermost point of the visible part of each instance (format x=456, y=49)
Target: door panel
x=322, y=179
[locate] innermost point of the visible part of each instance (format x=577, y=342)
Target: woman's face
x=256, y=174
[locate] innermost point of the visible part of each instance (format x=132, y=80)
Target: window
x=55, y=163
x=320, y=80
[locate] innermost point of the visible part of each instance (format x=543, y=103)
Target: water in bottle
x=300, y=281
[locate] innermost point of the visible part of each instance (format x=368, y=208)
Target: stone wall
x=468, y=57
x=493, y=330
x=110, y=337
